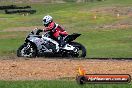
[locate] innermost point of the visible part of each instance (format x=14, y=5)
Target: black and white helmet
x=47, y=19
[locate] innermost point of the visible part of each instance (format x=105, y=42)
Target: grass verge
x=57, y=84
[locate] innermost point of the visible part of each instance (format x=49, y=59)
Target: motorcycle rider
x=56, y=30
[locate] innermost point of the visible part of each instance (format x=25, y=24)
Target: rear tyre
x=26, y=50
x=81, y=50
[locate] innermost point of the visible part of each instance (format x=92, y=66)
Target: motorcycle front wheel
x=26, y=50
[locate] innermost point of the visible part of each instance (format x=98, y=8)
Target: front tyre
x=26, y=50
x=81, y=50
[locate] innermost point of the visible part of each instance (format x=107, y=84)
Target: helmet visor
x=44, y=21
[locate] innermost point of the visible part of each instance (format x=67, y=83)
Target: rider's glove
x=44, y=30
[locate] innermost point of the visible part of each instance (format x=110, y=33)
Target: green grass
x=75, y=17
x=99, y=43
x=57, y=84
x=108, y=43
x=10, y=41
x=76, y=13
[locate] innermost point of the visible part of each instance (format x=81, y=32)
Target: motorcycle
x=37, y=45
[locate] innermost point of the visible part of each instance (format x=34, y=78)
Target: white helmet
x=47, y=19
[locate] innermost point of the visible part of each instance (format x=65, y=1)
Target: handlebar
x=36, y=31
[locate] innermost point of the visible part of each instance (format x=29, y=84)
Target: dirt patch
x=37, y=69
x=124, y=24
x=122, y=14
x=114, y=10
x=22, y=28
x=35, y=1
x=7, y=36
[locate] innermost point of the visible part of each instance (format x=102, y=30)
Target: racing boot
x=61, y=42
